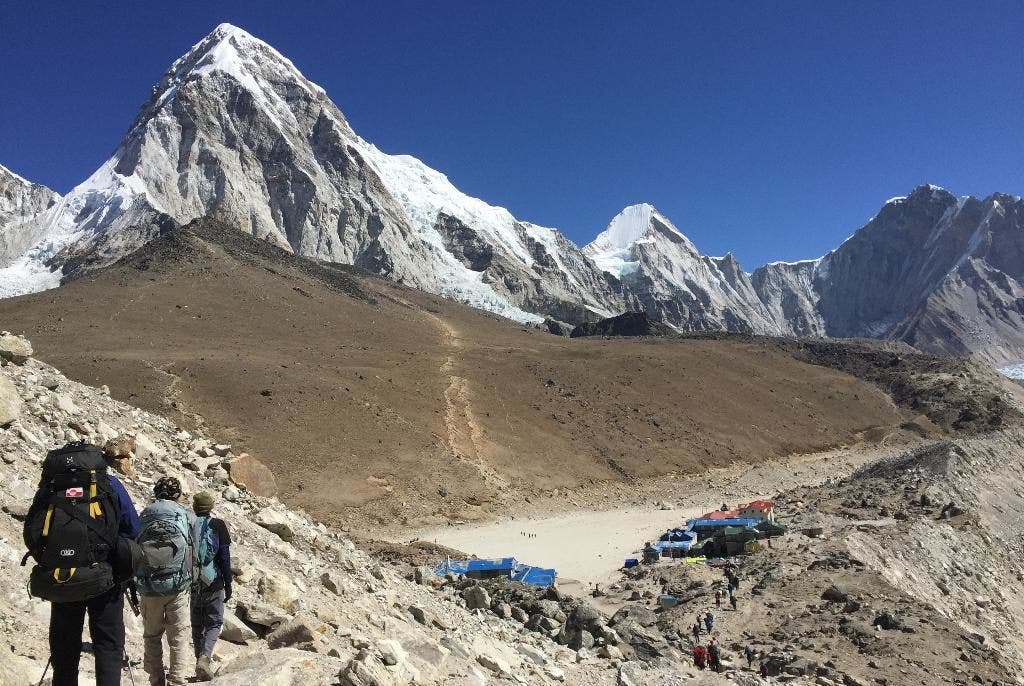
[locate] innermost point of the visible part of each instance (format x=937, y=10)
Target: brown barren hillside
x=373, y=402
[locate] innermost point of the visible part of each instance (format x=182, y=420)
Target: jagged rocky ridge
x=233, y=130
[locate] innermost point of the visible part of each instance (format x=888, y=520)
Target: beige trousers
x=167, y=614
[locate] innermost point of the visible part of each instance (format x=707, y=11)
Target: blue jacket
x=128, y=526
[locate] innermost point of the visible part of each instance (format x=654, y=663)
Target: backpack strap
x=94, y=506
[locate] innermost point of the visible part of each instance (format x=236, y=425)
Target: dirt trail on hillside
x=465, y=435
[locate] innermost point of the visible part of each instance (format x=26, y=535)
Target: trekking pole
x=131, y=672
x=45, y=670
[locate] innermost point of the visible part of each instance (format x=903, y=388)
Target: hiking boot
x=204, y=670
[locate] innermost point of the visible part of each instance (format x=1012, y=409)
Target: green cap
x=202, y=502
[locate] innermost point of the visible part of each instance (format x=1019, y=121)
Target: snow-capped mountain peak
x=233, y=130
x=614, y=249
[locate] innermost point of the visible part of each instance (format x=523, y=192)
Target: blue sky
x=771, y=129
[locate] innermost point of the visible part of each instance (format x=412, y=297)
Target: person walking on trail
x=718, y=599
x=748, y=653
x=213, y=557
x=764, y=669
x=82, y=509
x=168, y=572
x=715, y=656
x=709, y=621
x=700, y=656
x=732, y=601
x=696, y=631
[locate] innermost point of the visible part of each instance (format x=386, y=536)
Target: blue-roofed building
x=676, y=543
x=705, y=528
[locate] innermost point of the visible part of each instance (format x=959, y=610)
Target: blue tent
x=507, y=567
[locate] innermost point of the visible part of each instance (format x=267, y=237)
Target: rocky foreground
x=308, y=608
x=899, y=589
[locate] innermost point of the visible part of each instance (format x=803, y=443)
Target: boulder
x=284, y=667
x=262, y=614
x=637, y=613
x=201, y=464
x=887, y=621
x=366, y=669
x=333, y=582
x=391, y=652
x=430, y=656
x=11, y=403
x=16, y=349
x=300, y=630
x=119, y=447
x=477, y=598
x=66, y=404
x=625, y=324
x=533, y=654
x=586, y=617
x=834, y=594
x=235, y=630
x=275, y=521
x=632, y=674
x=554, y=672
x=279, y=591
x=549, y=624
x=582, y=639
x=246, y=470
x=548, y=608
x=494, y=662
x=424, y=576
x=146, y=450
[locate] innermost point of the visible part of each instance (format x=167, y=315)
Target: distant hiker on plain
x=709, y=620
x=79, y=530
x=213, y=589
x=165, y=582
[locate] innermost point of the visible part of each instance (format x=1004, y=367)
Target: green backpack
x=205, y=551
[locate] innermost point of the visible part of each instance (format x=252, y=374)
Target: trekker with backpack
x=79, y=529
x=213, y=557
x=165, y=582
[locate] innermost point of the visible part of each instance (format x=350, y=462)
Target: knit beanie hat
x=202, y=502
x=167, y=488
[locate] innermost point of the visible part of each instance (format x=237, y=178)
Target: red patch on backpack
x=74, y=493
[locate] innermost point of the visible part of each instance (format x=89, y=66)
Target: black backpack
x=71, y=528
